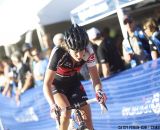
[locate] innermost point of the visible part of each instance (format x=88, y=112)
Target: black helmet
x=76, y=38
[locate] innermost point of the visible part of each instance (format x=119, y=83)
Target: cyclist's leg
x=86, y=112
x=62, y=101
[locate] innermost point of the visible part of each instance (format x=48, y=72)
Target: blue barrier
x=133, y=103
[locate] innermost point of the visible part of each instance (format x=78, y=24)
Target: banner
x=93, y=10
x=133, y=103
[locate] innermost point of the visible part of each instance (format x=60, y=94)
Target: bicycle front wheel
x=82, y=128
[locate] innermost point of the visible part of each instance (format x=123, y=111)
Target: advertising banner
x=133, y=103
x=91, y=11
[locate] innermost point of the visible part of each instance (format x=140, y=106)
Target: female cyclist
x=61, y=80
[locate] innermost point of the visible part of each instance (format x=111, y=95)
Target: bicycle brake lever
x=103, y=107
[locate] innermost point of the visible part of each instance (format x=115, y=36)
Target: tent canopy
x=19, y=16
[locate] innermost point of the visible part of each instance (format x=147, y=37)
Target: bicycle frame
x=80, y=121
x=76, y=107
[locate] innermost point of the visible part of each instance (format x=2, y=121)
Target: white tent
x=19, y=16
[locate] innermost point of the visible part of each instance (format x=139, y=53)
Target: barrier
x=133, y=103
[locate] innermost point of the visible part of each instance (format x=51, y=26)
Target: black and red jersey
x=61, y=61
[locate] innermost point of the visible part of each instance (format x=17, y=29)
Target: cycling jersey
x=66, y=80
x=61, y=62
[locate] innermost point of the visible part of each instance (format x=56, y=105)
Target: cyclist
x=61, y=77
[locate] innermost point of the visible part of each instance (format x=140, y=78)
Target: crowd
x=25, y=69
x=115, y=54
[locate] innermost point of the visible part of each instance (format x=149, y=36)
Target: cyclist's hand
x=55, y=112
x=101, y=96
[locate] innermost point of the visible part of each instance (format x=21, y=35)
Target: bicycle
x=79, y=122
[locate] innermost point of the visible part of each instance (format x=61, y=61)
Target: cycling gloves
x=100, y=95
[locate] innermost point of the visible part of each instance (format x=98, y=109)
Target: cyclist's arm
x=91, y=63
x=95, y=78
x=100, y=94
x=55, y=56
x=48, y=79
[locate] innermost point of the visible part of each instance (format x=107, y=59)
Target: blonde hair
x=151, y=24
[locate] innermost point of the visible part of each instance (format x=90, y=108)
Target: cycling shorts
x=69, y=89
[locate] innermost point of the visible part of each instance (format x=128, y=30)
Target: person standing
x=107, y=54
x=39, y=67
x=24, y=76
x=152, y=32
x=135, y=51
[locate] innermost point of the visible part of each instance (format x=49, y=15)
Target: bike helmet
x=76, y=38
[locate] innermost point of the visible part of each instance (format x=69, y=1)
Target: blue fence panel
x=133, y=103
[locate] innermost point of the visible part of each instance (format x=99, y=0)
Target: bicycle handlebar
x=79, y=105
x=103, y=105
x=89, y=101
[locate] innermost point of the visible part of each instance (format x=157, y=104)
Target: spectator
x=39, y=67
x=106, y=33
x=153, y=34
x=138, y=33
x=3, y=79
x=24, y=79
x=118, y=43
x=10, y=74
x=114, y=37
x=108, y=55
x=157, y=16
x=58, y=39
x=27, y=58
x=133, y=47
